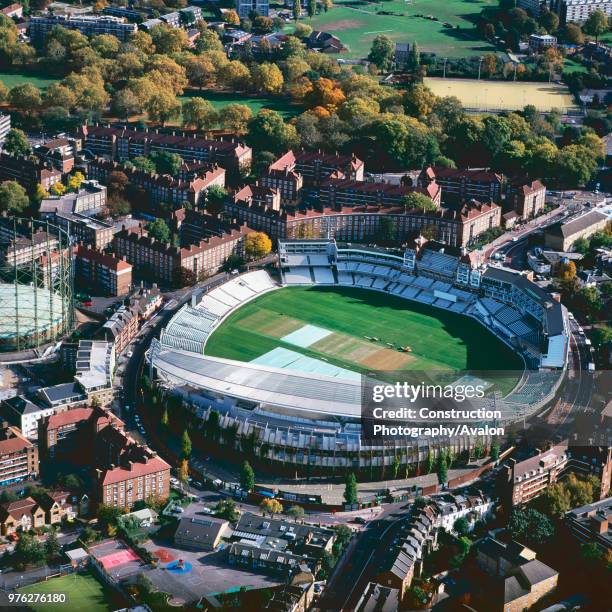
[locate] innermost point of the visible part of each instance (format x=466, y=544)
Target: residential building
x=95, y=369
x=533, y=6
x=259, y=195
x=317, y=167
x=89, y=25
x=83, y=229
x=121, y=328
x=62, y=397
x=562, y=235
x=539, y=43
x=244, y=8
x=592, y=524
x=107, y=273
x=340, y=193
x=26, y=247
x=28, y=172
x=377, y=598
x=526, y=197
x=21, y=515
x=5, y=126
x=295, y=597
x=58, y=153
x=288, y=182
x=452, y=507
x=402, y=53
x=523, y=481
x=578, y=11
x=164, y=261
x=459, y=185
x=147, y=301
x=90, y=199
x=14, y=11
x=195, y=533
x=325, y=42
x=58, y=507
x=172, y=19
x=18, y=456
x=24, y=414
x=518, y=581
x=123, y=144
x=164, y=188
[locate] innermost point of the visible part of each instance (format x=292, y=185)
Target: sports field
x=83, y=590
x=10, y=79
x=255, y=103
x=358, y=22
x=503, y=95
x=359, y=330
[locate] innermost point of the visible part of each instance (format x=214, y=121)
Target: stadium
x=36, y=303
x=277, y=369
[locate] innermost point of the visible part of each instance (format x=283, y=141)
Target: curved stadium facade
x=311, y=421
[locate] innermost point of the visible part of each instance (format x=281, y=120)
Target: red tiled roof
x=150, y=466
x=105, y=259
x=70, y=416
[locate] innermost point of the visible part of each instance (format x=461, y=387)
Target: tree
x=567, y=270
x=57, y=189
x=169, y=40
x=227, y=509
x=350, y=489
x=302, y=30
x=267, y=78
x=267, y=131
x=573, y=34
x=186, y=447
x=26, y=98
x=297, y=512
x=494, y=450
x=215, y=199
x=159, y=230
x=311, y=8
x=184, y=471
x=235, y=117
x=108, y=517
x=297, y=9
x=382, y=53
x=52, y=547
x=75, y=181
x=16, y=143
x=442, y=468
x=465, y=545
x=247, y=476
x=126, y=103
x=414, y=58
x=530, y=526
x=461, y=526
x=596, y=24
x=489, y=64
x=183, y=277
x=199, y=113
x=257, y=245
x=555, y=501
x=163, y=106
x=13, y=197
x=418, y=201
x=166, y=163
x=29, y=551
x=231, y=17
x=271, y=506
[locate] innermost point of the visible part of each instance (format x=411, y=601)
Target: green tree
x=267, y=131
x=215, y=199
x=429, y=466
x=464, y=545
x=414, y=58
x=199, y=113
x=13, y=197
x=461, y=526
x=442, y=467
x=186, y=446
x=530, y=526
x=247, y=476
x=26, y=98
x=28, y=551
x=297, y=9
x=227, y=509
x=159, y=230
x=16, y=143
x=311, y=7
x=144, y=163
x=596, y=24
x=495, y=450
x=418, y=201
x=296, y=512
x=271, y=507
x=350, y=489
x=382, y=53
x=166, y=163
x=52, y=546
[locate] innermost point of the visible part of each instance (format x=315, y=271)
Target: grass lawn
x=83, y=590
x=10, y=79
x=438, y=339
x=356, y=23
x=503, y=95
x=256, y=103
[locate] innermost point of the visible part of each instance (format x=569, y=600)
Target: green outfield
x=83, y=592
x=367, y=332
x=358, y=22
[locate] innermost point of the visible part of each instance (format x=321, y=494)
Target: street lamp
x=480, y=59
x=444, y=74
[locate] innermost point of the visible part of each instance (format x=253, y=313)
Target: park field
x=358, y=22
x=221, y=99
x=503, y=95
x=83, y=592
x=10, y=79
x=367, y=330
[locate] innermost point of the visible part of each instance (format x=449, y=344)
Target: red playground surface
x=118, y=558
x=164, y=555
